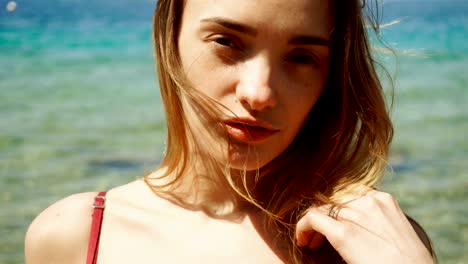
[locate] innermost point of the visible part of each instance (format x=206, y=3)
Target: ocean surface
x=80, y=109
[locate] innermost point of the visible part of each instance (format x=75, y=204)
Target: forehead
x=280, y=16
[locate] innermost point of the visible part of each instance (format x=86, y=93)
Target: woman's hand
x=369, y=229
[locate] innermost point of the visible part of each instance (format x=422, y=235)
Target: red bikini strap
x=93, y=246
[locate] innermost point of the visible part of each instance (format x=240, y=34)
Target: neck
x=198, y=190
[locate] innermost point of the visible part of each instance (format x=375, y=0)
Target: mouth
x=249, y=131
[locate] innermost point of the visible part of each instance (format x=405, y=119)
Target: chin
x=247, y=166
x=249, y=162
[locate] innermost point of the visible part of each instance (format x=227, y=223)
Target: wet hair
x=342, y=146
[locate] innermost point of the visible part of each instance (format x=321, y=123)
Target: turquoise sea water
x=80, y=110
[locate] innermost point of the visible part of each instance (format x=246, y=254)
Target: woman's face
x=266, y=61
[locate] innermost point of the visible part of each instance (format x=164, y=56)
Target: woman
x=277, y=134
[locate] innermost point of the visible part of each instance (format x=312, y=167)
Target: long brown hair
x=342, y=146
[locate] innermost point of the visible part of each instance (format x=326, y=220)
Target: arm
x=60, y=233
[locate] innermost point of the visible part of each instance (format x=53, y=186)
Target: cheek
x=299, y=104
x=303, y=98
x=207, y=75
x=303, y=85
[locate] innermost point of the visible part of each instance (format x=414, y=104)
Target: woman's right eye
x=227, y=41
x=229, y=49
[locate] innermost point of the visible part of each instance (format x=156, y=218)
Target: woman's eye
x=227, y=42
x=304, y=59
x=228, y=49
x=224, y=42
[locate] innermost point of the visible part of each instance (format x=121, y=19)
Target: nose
x=256, y=87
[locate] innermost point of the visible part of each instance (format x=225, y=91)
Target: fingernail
x=300, y=242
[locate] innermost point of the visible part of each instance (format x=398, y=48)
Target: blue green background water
x=80, y=110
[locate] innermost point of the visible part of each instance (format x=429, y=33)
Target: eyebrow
x=241, y=28
x=232, y=25
x=309, y=40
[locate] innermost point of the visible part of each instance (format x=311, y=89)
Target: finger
x=347, y=214
x=304, y=237
x=316, y=240
x=316, y=220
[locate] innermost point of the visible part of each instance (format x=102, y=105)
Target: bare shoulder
x=60, y=233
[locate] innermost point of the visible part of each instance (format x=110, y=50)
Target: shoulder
x=60, y=233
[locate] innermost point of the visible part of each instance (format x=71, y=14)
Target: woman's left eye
x=302, y=59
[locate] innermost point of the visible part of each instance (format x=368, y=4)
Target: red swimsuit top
x=93, y=245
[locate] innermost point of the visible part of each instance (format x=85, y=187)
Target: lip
x=248, y=130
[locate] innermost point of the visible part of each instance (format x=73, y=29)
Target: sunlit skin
x=272, y=74
x=266, y=67
x=267, y=62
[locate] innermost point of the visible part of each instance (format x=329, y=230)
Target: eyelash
x=229, y=48
x=302, y=58
x=221, y=40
